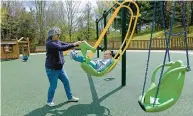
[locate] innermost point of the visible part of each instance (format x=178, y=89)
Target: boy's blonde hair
x=110, y=52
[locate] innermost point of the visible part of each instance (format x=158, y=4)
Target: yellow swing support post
x=121, y=5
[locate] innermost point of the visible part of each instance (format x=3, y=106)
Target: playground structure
x=24, y=45
x=11, y=49
x=166, y=93
x=173, y=78
x=126, y=37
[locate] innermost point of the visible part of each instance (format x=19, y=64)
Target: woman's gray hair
x=54, y=31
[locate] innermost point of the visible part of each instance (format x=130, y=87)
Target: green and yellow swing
x=86, y=66
x=85, y=46
x=170, y=88
x=166, y=93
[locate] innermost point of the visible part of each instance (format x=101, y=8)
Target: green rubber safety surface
x=25, y=85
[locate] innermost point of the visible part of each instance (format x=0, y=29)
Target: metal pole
x=123, y=22
x=88, y=26
x=105, y=37
x=97, y=35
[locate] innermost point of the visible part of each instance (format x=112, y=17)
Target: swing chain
x=164, y=26
x=149, y=51
x=185, y=36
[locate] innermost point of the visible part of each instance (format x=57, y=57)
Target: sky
x=83, y=3
x=93, y=2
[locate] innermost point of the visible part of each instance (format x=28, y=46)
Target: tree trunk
x=191, y=21
x=71, y=11
x=167, y=6
x=40, y=7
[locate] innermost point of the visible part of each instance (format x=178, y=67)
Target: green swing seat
x=169, y=91
x=86, y=66
x=90, y=70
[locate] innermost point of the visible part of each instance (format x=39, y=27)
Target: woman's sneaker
x=51, y=104
x=74, y=99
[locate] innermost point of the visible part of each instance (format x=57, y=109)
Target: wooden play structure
x=24, y=45
x=11, y=49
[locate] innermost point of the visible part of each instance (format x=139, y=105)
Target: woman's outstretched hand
x=77, y=43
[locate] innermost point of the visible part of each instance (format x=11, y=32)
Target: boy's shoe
x=74, y=99
x=73, y=54
x=51, y=104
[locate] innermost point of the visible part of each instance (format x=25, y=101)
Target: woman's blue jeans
x=53, y=76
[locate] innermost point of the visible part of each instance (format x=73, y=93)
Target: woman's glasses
x=58, y=35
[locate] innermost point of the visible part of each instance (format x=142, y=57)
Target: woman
x=54, y=64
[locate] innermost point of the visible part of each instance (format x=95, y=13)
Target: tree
x=88, y=17
x=55, y=17
x=9, y=25
x=40, y=17
x=145, y=19
x=26, y=25
x=101, y=7
x=71, y=11
x=191, y=15
x=86, y=23
x=98, y=12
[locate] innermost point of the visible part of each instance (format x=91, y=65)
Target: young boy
x=99, y=65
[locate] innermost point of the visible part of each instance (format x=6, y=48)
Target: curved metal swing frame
x=126, y=40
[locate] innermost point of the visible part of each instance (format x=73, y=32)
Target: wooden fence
x=157, y=44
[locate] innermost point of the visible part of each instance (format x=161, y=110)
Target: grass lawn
x=160, y=34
